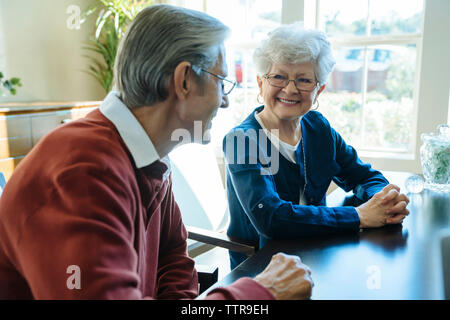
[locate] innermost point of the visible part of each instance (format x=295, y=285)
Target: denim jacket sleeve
x=271, y=216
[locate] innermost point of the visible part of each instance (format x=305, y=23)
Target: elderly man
x=90, y=213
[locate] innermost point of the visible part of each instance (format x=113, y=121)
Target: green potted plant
x=9, y=84
x=112, y=20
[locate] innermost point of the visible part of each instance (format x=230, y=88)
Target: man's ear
x=259, y=81
x=182, y=80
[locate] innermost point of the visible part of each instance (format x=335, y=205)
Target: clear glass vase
x=435, y=159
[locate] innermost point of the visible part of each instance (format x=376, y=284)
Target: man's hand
x=287, y=278
x=386, y=207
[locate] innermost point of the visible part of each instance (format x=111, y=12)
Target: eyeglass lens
x=299, y=84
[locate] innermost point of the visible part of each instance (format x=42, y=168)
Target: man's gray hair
x=157, y=40
x=292, y=44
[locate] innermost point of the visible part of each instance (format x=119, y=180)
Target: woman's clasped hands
x=386, y=207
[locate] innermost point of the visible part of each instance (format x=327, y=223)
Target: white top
x=286, y=149
x=136, y=139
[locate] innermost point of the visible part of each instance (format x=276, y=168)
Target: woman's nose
x=291, y=87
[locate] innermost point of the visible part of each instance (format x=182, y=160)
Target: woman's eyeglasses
x=302, y=84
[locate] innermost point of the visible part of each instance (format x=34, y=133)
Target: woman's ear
x=182, y=80
x=321, y=88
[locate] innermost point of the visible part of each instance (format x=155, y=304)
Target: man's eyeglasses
x=302, y=84
x=227, y=85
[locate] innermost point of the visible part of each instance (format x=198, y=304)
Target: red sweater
x=78, y=220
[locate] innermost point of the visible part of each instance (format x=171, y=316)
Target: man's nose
x=225, y=102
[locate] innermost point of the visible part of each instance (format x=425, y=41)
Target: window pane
x=242, y=103
x=382, y=74
x=248, y=19
x=396, y=17
x=264, y=16
x=242, y=98
x=341, y=103
x=344, y=17
x=194, y=4
x=389, y=100
x=232, y=13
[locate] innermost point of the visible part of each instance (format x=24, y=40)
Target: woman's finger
x=397, y=208
x=396, y=219
x=391, y=195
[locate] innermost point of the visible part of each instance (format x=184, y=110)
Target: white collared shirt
x=136, y=139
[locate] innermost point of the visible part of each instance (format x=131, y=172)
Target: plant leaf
x=101, y=24
x=116, y=23
x=15, y=81
x=111, y=23
x=7, y=85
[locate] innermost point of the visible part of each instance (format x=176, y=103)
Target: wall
x=37, y=46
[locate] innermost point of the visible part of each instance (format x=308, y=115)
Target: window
x=250, y=21
x=370, y=94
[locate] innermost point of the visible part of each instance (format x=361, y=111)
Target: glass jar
x=435, y=159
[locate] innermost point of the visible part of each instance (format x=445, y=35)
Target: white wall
x=37, y=46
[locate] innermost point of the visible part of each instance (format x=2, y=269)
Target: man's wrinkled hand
x=287, y=278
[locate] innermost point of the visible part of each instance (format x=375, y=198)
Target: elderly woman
x=283, y=157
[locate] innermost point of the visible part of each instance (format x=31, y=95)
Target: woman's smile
x=288, y=102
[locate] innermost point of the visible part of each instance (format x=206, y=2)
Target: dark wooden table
x=392, y=262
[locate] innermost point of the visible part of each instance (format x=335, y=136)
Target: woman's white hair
x=292, y=44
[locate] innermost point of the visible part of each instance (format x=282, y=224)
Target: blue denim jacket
x=263, y=187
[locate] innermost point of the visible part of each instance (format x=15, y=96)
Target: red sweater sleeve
x=243, y=289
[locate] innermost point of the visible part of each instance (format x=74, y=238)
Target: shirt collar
x=136, y=139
